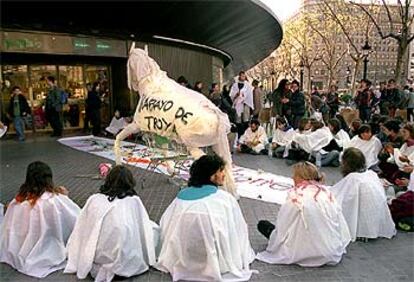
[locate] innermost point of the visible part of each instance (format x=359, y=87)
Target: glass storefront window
x=39, y=87
x=13, y=75
x=101, y=74
x=71, y=81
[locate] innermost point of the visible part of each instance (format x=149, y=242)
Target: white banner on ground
x=253, y=184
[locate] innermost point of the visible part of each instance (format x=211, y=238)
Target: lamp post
x=348, y=73
x=301, y=66
x=365, y=51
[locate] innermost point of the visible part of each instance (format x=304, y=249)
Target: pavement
x=378, y=260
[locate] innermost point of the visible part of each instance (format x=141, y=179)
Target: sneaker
x=3, y=131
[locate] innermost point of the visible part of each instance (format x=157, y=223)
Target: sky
x=283, y=8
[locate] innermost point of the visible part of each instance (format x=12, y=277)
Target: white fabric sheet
x=310, y=231
x=364, y=205
x=411, y=183
x=116, y=125
x=370, y=148
x=112, y=238
x=314, y=141
x=33, y=239
x=205, y=240
x=283, y=138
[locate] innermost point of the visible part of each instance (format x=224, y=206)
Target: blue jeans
x=19, y=126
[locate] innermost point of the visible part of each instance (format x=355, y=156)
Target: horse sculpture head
x=140, y=65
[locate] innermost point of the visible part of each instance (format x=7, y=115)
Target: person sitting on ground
x=3, y=129
x=362, y=198
x=117, y=124
x=394, y=160
x=37, y=224
x=305, y=126
x=310, y=230
x=354, y=128
x=344, y=125
x=381, y=134
x=113, y=234
x=369, y=145
x=204, y=236
x=402, y=206
x=314, y=142
x=254, y=140
x=282, y=136
x=391, y=128
x=341, y=138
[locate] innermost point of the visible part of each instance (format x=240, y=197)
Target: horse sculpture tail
x=222, y=149
x=132, y=128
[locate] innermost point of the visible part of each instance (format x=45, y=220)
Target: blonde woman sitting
x=310, y=230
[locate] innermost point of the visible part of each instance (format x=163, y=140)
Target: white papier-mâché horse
x=176, y=112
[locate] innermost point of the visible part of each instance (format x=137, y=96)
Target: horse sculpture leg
x=222, y=149
x=132, y=128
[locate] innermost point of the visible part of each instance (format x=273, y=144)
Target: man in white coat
x=204, y=236
x=362, y=198
x=241, y=93
x=311, y=230
x=254, y=140
x=113, y=234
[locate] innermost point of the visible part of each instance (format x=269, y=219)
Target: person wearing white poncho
x=310, y=230
x=113, y=234
x=37, y=225
x=117, y=124
x=254, y=140
x=282, y=136
x=362, y=198
x=204, y=236
x=369, y=145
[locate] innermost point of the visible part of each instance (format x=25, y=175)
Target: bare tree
x=400, y=21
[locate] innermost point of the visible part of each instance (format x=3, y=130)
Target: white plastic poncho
x=364, y=205
x=411, y=182
x=112, y=238
x=370, y=149
x=283, y=138
x=405, y=150
x=33, y=239
x=342, y=138
x=205, y=240
x=315, y=141
x=259, y=136
x=245, y=97
x=310, y=231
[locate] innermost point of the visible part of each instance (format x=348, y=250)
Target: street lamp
x=348, y=73
x=301, y=66
x=365, y=52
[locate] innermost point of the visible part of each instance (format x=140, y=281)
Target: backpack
x=63, y=97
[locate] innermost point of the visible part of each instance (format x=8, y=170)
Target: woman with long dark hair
x=204, y=236
x=113, y=235
x=37, y=224
x=280, y=99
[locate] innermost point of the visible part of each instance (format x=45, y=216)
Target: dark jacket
x=93, y=102
x=363, y=98
x=54, y=99
x=333, y=100
x=277, y=107
x=24, y=106
x=297, y=103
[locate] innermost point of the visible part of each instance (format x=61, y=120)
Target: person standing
x=54, y=107
x=333, y=101
x=410, y=107
x=241, y=94
x=18, y=110
x=280, y=99
x=394, y=97
x=297, y=104
x=257, y=99
x=363, y=100
x=93, y=104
